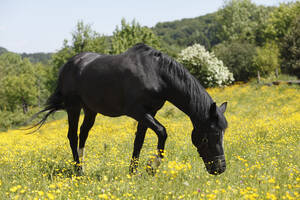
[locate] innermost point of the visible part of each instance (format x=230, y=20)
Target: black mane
x=176, y=74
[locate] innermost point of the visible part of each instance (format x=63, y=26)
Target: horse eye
x=217, y=133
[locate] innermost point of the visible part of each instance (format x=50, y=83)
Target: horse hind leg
x=88, y=122
x=73, y=110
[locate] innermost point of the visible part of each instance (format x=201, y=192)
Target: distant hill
x=37, y=57
x=175, y=36
x=3, y=50
x=182, y=33
x=33, y=57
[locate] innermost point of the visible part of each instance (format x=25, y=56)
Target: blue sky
x=41, y=26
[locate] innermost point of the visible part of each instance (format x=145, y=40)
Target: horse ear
x=213, y=110
x=223, y=107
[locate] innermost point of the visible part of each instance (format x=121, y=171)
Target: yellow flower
x=272, y=180
x=103, y=196
x=13, y=189
x=50, y=196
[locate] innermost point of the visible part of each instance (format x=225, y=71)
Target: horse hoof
x=79, y=173
x=150, y=170
x=133, y=171
x=79, y=170
x=152, y=165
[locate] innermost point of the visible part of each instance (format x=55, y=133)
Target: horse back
x=112, y=85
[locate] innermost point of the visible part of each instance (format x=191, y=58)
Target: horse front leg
x=138, y=143
x=161, y=133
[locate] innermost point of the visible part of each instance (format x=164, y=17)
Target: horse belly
x=104, y=98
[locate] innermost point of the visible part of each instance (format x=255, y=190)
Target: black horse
x=137, y=83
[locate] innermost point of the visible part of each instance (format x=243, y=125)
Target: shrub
x=290, y=51
x=266, y=59
x=205, y=66
x=238, y=57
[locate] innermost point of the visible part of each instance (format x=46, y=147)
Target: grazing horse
x=136, y=84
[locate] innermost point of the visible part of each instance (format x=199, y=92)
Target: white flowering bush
x=205, y=66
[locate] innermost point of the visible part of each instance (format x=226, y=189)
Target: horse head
x=208, y=139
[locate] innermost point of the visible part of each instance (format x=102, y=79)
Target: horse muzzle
x=215, y=165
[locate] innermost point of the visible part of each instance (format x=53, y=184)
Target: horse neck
x=186, y=93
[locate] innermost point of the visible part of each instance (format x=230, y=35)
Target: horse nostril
x=217, y=170
x=216, y=167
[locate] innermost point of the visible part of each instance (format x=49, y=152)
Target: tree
x=290, y=51
x=130, y=34
x=238, y=57
x=262, y=22
x=84, y=39
x=205, y=66
x=22, y=83
x=238, y=19
x=266, y=59
x=180, y=34
x=197, y=38
x=280, y=21
x=2, y=50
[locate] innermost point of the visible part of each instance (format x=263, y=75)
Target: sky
x=33, y=26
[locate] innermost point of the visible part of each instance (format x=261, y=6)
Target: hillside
x=182, y=33
x=33, y=57
x=38, y=57
x=3, y=50
x=175, y=35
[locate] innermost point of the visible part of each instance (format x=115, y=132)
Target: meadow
x=262, y=146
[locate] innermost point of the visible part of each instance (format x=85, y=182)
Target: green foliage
x=16, y=89
x=246, y=37
x=2, y=50
x=280, y=21
x=266, y=27
x=205, y=66
x=266, y=59
x=131, y=34
x=61, y=57
x=21, y=82
x=283, y=27
x=33, y=57
x=180, y=34
x=239, y=19
x=84, y=39
x=38, y=57
x=9, y=119
x=238, y=57
x=290, y=51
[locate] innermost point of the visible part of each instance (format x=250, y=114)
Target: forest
x=246, y=39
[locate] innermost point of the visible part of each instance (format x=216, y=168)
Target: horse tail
x=54, y=103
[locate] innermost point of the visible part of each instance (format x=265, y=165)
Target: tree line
x=248, y=38
x=235, y=43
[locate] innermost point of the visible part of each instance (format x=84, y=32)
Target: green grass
x=261, y=148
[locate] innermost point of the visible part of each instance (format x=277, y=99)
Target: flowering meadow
x=262, y=146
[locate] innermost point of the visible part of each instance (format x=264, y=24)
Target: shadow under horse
x=137, y=83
